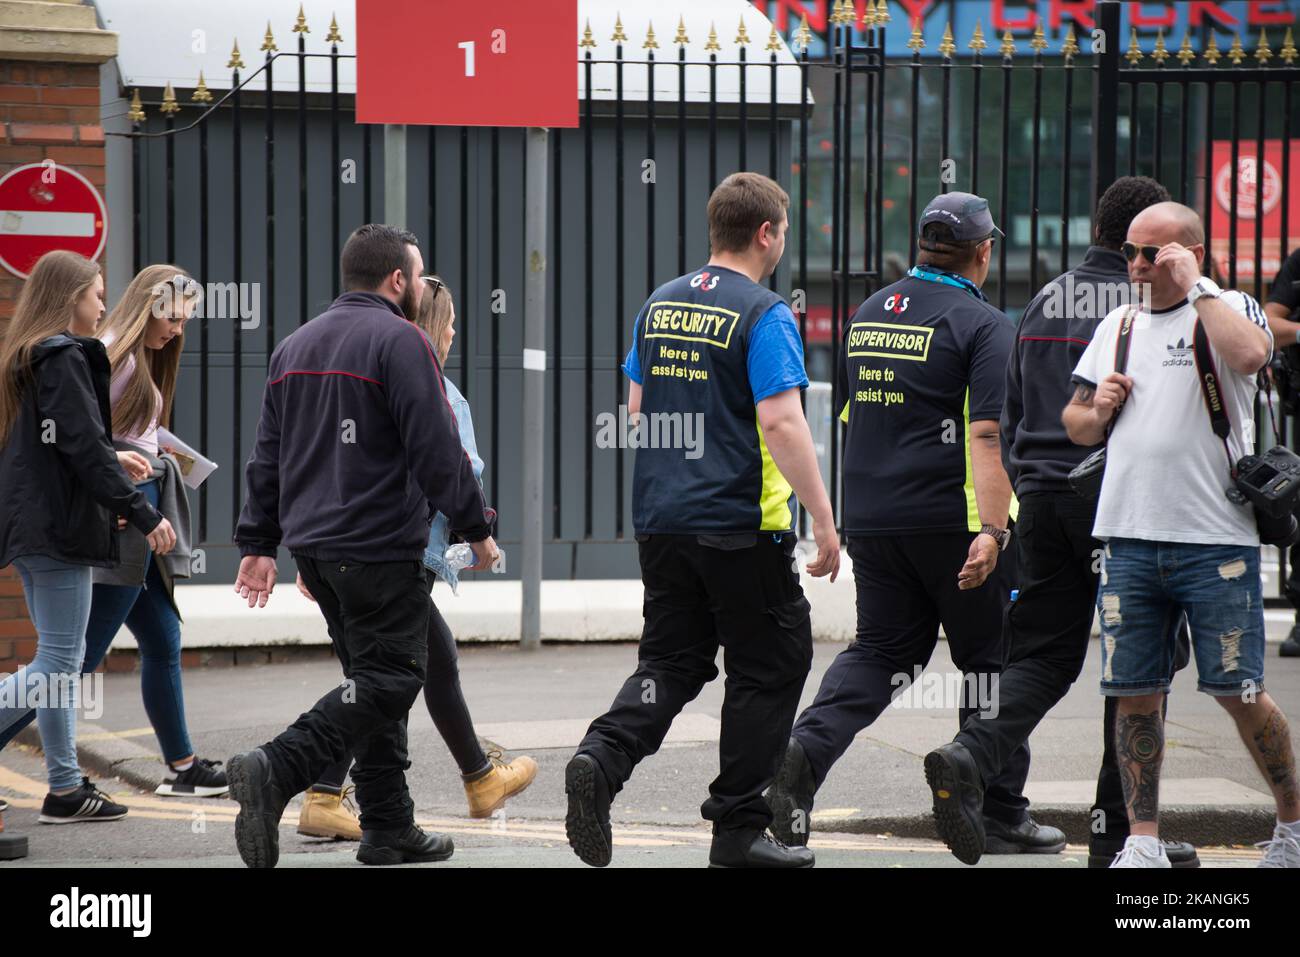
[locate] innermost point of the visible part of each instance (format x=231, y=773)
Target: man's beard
x=408, y=305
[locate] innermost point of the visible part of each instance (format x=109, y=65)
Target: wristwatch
x=1000, y=535
x=1203, y=287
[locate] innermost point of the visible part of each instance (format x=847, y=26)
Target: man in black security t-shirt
x=716, y=355
x=926, y=510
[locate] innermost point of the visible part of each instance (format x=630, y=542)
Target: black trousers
x=442, y=696
x=907, y=587
x=378, y=616
x=1048, y=632
x=739, y=592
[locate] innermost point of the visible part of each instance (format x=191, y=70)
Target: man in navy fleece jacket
x=356, y=449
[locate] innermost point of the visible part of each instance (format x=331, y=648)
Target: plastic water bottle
x=459, y=556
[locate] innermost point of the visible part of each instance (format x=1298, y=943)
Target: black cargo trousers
x=378, y=617
x=740, y=593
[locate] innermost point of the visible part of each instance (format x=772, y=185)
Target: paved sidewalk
x=540, y=703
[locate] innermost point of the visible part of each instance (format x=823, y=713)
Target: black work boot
x=1027, y=837
x=958, y=800
x=1290, y=646
x=752, y=847
x=407, y=845
x=790, y=798
x=587, y=821
x=261, y=804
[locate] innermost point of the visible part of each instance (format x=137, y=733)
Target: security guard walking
x=926, y=510
x=713, y=529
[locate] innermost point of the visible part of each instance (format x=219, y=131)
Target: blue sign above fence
x=1022, y=18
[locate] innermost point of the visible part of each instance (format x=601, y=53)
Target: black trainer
x=87, y=803
x=1027, y=837
x=587, y=821
x=1102, y=851
x=958, y=800
x=790, y=798
x=200, y=779
x=1290, y=647
x=261, y=804
x=751, y=847
x=409, y=845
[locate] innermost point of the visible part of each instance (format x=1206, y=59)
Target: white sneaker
x=1142, y=851
x=1282, y=851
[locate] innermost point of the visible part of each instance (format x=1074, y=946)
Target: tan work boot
x=329, y=815
x=500, y=781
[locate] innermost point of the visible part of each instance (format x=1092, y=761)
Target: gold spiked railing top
x=681, y=39
x=946, y=46
x=236, y=61
x=1038, y=42
x=711, y=44
x=1070, y=48
x=1161, y=53
x=201, y=92
x=1288, y=48
x=774, y=44
x=334, y=36
x=917, y=39
x=169, y=104
x=1185, y=52
x=588, y=40
x=1008, y=47
x=742, y=35
x=136, y=113
x=268, y=42
x=803, y=37
x=300, y=25
x=619, y=36
x=977, y=39
x=651, y=43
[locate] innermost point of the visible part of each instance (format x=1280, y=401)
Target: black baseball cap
x=966, y=213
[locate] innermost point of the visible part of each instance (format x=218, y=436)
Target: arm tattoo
x=1140, y=746
x=1083, y=395
x=1273, y=744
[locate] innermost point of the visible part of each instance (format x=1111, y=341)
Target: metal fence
x=238, y=191
x=1128, y=111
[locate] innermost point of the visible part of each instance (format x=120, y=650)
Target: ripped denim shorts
x=1145, y=586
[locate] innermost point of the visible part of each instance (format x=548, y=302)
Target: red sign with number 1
x=449, y=63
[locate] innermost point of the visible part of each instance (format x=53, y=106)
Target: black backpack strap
x=1212, y=391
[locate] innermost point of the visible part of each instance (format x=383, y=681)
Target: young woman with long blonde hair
x=64, y=493
x=144, y=336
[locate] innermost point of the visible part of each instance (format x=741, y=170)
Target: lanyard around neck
x=947, y=279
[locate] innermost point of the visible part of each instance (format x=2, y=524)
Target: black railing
x=463, y=189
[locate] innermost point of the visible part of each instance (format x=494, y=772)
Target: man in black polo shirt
x=1050, y=623
x=926, y=509
x=1283, y=312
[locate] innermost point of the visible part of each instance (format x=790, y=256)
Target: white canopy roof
x=160, y=43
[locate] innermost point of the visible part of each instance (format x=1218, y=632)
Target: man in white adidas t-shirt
x=1174, y=542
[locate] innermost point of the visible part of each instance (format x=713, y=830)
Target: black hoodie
x=1055, y=329
x=60, y=482
x=357, y=446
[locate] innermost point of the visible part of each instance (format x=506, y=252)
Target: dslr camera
x=1270, y=483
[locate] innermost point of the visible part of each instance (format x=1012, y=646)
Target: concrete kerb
x=106, y=755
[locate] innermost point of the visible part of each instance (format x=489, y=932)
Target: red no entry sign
x=44, y=206
x=446, y=62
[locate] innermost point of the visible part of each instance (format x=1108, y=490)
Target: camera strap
x=1212, y=391
x=1122, y=342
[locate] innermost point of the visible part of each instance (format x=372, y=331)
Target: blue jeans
x=1145, y=586
x=149, y=614
x=58, y=600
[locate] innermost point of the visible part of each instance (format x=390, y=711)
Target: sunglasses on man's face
x=1131, y=252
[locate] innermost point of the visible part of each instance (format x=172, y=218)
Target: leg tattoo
x=1272, y=745
x=1140, y=746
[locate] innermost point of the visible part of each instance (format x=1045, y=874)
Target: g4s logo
x=704, y=281
x=897, y=304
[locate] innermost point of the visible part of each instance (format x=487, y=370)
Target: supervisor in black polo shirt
x=922, y=371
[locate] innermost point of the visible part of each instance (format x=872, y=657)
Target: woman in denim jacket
x=489, y=779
